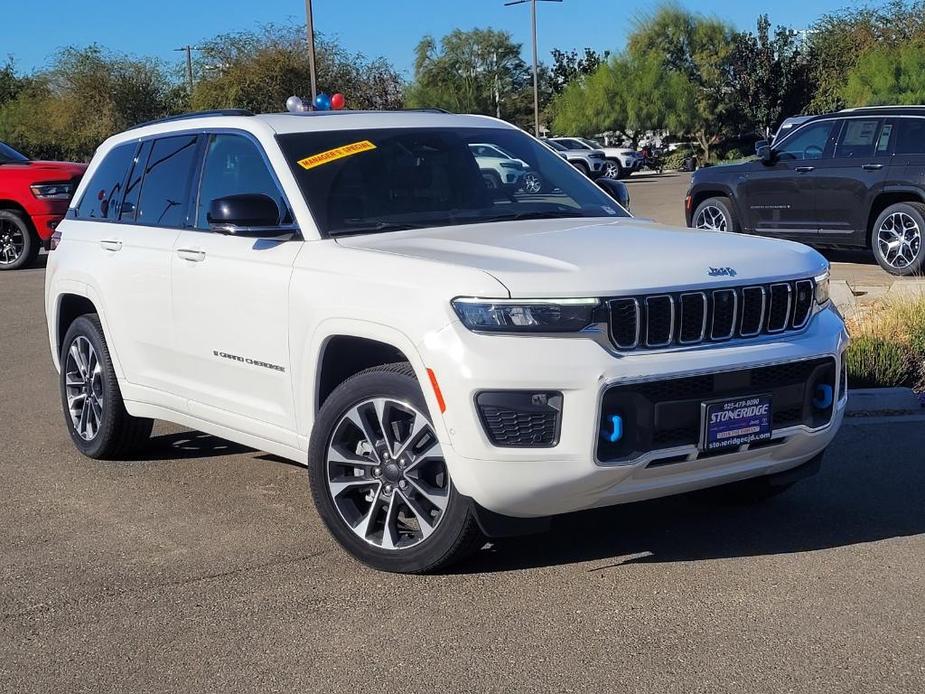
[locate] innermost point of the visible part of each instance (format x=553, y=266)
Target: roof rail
x=196, y=114
x=870, y=108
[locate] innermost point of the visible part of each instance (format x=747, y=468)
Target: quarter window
x=910, y=135
x=234, y=165
x=133, y=186
x=103, y=192
x=808, y=142
x=164, y=197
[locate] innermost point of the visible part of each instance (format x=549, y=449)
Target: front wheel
x=897, y=238
x=533, y=183
x=612, y=169
x=715, y=214
x=19, y=247
x=379, y=478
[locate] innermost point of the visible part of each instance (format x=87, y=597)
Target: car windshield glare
x=8, y=155
x=374, y=181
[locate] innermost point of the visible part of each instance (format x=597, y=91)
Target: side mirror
x=615, y=189
x=246, y=214
x=760, y=144
x=765, y=154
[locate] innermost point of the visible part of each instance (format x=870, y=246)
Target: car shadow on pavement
x=849, y=502
x=188, y=444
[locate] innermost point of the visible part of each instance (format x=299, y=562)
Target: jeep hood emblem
x=722, y=272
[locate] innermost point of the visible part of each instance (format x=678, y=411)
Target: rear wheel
x=379, y=478
x=19, y=246
x=897, y=238
x=94, y=412
x=715, y=214
x=613, y=169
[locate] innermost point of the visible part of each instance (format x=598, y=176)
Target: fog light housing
x=521, y=418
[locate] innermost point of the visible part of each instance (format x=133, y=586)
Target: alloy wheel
x=712, y=219
x=386, y=474
x=12, y=242
x=83, y=384
x=612, y=169
x=899, y=239
x=532, y=183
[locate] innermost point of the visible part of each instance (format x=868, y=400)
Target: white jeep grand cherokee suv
x=449, y=360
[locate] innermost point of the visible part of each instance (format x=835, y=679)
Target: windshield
x=591, y=143
x=8, y=154
x=359, y=182
x=572, y=144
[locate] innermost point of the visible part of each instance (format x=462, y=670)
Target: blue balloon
x=323, y=102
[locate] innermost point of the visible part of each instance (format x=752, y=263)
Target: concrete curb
x=868, y=402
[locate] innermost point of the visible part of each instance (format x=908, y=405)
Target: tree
x=768, y=76
x=568, y=66
x=838, y=41
x=259, y=70
x=889, y=75
x=84, y=97
x=477, y=71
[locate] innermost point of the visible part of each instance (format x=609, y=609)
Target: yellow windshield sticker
x=335, y=154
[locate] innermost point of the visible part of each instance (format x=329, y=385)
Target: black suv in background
x=855, y=178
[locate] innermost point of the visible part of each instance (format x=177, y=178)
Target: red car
x=34, y=196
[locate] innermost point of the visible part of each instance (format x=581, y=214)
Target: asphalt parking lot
x=203, y=567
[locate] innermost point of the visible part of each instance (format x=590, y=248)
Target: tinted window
x=8, y=154
x=133, y=187
x=165, y=189
x=102, y=194
x=857, y=138
x=910, y=135
x=389, y=179
x=573, y=144
x=234, y=165
x=807, y=143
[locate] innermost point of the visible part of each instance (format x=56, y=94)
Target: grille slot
x=725, y=303
x=624, y=322
x=802, y=303
x=693, y=318
x=688, y=318
x=753, y=304
x=659, y=320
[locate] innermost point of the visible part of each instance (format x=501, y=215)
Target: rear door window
x=133, y=185
x=859, y=138
x=104, y=191
x=165, y=191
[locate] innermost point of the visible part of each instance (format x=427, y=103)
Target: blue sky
x=391, y=28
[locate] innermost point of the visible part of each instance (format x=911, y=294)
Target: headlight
x=822, y=288
x=52, y=191
x=525, y=315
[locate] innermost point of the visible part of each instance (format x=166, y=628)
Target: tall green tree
x=568, y=66
x=259, y=70
x=768, y=76
x=477, y=71
x=889, y=75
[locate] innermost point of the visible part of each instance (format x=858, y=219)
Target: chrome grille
x=687, y=318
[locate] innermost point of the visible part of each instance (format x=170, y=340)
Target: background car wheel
x=533, y=183
x=581, y=166
x=898, y=238
x=19, y=246
x=379, y=478
x=612, y=169
x=93, y=408
x=715, y=214
x=491, y=180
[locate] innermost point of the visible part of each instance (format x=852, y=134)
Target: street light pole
x=536, y=80
x=189, y=64
x=310, y=27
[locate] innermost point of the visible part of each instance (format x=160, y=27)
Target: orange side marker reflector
x=436, y=386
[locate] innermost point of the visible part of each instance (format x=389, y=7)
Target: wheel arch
x=72, y=299
x=715, y=190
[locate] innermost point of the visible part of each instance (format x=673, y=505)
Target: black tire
x=456, y=535
x=720, y=205
x=19, y=246
x=581, y=166
x=614, y=169
x=491, y=179
x=912, y=260
x=119, y=434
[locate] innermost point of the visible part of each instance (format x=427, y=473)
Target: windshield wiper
x=374, y=227
x=535, y=214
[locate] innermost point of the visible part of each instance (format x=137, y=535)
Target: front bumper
x=45, y=224
x=534, y=482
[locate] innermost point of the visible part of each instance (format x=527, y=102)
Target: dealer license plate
x=736, y=422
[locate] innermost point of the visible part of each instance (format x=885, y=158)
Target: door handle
x=191, y=254
x=804, y=169
x=111, y=245
x=872, y=167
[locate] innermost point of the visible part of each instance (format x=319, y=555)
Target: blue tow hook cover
x=824, y=396
x=617, y=433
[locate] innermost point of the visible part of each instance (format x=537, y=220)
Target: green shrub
x=675, y=160
x=877, y=362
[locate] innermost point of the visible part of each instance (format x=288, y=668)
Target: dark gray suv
x=854, y=179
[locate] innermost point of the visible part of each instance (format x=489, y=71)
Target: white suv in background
x=449, y=361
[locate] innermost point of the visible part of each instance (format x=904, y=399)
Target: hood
x=599, y=257
x=46, y=170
